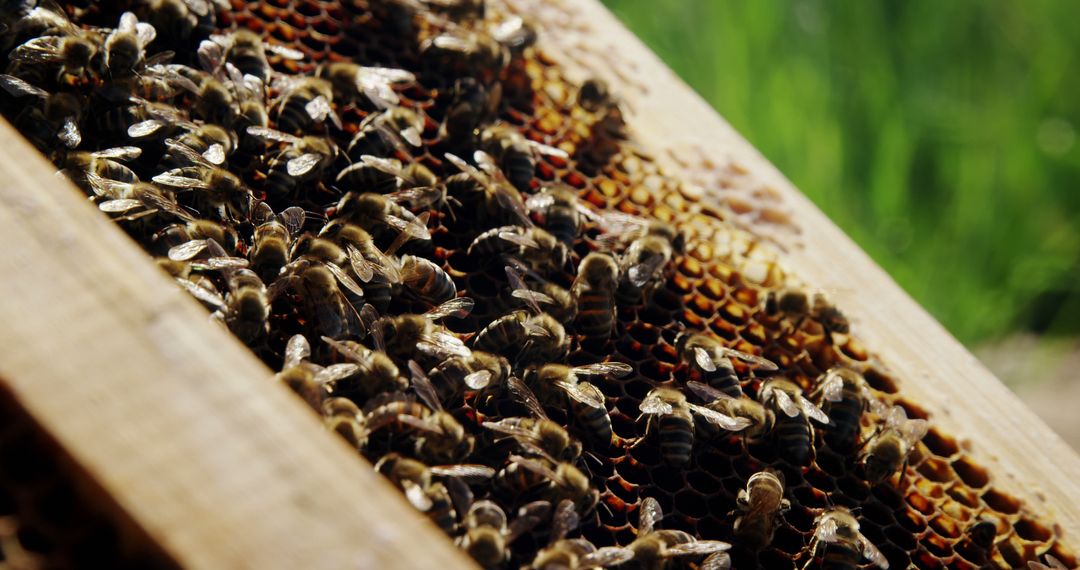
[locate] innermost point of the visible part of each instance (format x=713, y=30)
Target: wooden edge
x=1025, y=457
x=174, y=418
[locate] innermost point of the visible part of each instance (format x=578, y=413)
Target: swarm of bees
x=452, y=265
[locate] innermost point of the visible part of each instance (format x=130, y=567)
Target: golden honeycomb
x=920, y=519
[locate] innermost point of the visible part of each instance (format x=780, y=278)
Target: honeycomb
x=921, y=518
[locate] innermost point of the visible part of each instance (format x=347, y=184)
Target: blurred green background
x=940, y=135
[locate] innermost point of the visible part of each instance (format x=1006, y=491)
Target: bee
x=841, y=545
x=642, y=268
x=653, y=548
x=198, y=229
x=305, y=102
x=888, y=448
x=60, y=44
x=594, y=95
x=146, y=203
x=372, y=372
x=674, y=417
x=978, y=541
x=60, y=112
x=125, y=47
x=760, y=505
x=442, y=437
x=556, y=300
x=587, y=403
x=594, y=293
x=178, y=20
x=574, y=553
x=247, y=308
x=303, y=161
x=219, y=190
x=761, y=419
x=605, y=120
x=487, y=534
x=560, y=211
x=245, y=50
x=549, y=480
x=405, y=337
x=105, y=165
x=472, y=105
x=710, y=362
x=376, y=269
x=328, y=309
x=382, y=133
x=478, y=370
x=794, y=434
x=537, y=435
x=845, y=396
x=215, y=101
x=374, y=84
x=490, y=189
x=299, y=375
x=342, y=417
x=214, y=143
x=524, y=338
x=273, y=236
x=460, y=52
x=428, y=495
x=387, y=175
x=535, y=247
x=426, y=280
x=796, y=306
x=514, y=154
x=383, y=219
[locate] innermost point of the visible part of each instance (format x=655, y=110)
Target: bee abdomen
x=596, y=316
x=843, y=430
x=794, y=439
x=676, y=439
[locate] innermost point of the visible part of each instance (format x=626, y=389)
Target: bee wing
x=811, y=410
x=364, y=269
x=187, y=152
x=412, y=135
x=539, y=201
x=390, y=166
x=872, y=553
x=722, y=421
x=423, y=386
x=716, y=561
x=293, y=219
x=119, y=205
x=652, y=404
x=284, y=51
x=827, y=529
x=458, y=307
x=442, y=345
x=914, y=430
x=272, y=135
x=639, y=274
x=200, y=8
x=344, y=279
x=188, y=250
x=45, y=49
x=548, y=150
x=613, y=369
x=416, y=496
x=336, y=372
x=564, y=520
x=517, y=283
x=832, y=388
x=389, y=74
x=526, y=396
x=224, y=262
x=416, y=197
x=605, y=557
x=178, y=181
x=649, y=516
x=210, y=53
x=533, y=298
x=319, y=109
x=144, y=128
x=510, y=429
x=411, y=228
x=785, y=403
x=512, y=202
x=698, y=547
x=468, y=472
x=123, y=153
x=346, y=350
x=535, y=466
x=145, y=32
x=297, y=350
x=302, y=164
x=478, y=380
x=517, y=238
x=528, y=516
x=584, y=393
x=707, y=392
x=704, y=359
x=752, y=360
x=215, y=154
x=18, y=88
x=203, y=294
x=261, y=212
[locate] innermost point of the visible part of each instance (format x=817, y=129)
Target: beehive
x=719, y=285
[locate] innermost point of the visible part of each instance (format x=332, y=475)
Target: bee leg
x=810, y=549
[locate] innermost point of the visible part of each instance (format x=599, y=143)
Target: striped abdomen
x=842, y=433
x=793, y=438
x=676, y=437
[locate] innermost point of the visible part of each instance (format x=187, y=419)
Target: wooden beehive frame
x=224, y=471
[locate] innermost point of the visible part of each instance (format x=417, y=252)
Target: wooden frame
x=223, y=471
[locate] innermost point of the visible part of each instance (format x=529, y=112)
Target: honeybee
x=487, y=534
x=653, y=548
x=405, y=337
x=372, y=372
x=139, y=201
x=556, y=300
x=514, y=154
x=273, y=237
x=562, y=553
x=560, y=211
x=794, y=434
x=761, y=419
x=606, y=122
x=838, y=540
x=376, y=269
x=476, y=371
x=537, y=435
x=1051, y=564
x=594, y=95
x=417, y=481
x=61, y=111
x=104, y=164
x=299, y=374
x=978, y=541
x=888, y=448
x=125, y=47
x=375, y=84
x=845, y=397
x=59, y=43
x=594, y=293
x=461, y=52
x=443, y=438
x=178, y=20
x=304, y=160
x=243, y=49
x=409, y=182
x=341, y=418
x=381, y=133
x=247, y=308
x=305, y=102
x=381, y=218
x=495, y=192
x=642, y=268
x=426, y=280
x=526, y=339
x=674, y=417
x=796, y=306
x=214, y=143
x=197, y=229
x=331, y=314
x=710, y=362
x=760, y=505
x=219, y=190
x=536, y=248
x=473, y=104
x=588, y=405
x=547, y=479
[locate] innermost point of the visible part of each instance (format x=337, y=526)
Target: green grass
x=939, y=135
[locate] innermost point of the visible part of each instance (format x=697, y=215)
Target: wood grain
x=174, y=418
x=1025, y=457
